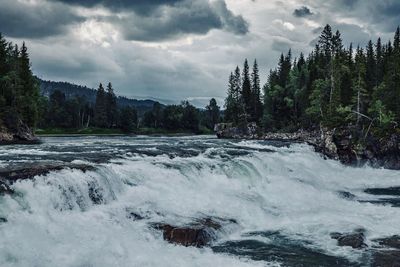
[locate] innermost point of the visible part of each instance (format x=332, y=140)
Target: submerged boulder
x=197, y=234
x=354, y=240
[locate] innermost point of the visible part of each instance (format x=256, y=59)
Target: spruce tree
x=111, y=106
x=256, y=94
x=246, y=90
x=100, y=109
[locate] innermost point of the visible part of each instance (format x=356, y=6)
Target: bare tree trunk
x=88, y=121
x=359, y=98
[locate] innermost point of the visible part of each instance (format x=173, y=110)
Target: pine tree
x=370, y=69
x=100, y=109
x=111, y=106
x=246, y=91
x=379, y=62
x=256, y=94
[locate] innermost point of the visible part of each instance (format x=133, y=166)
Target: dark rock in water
x=185, y=236
x=5, y=188
x=346, y=195
x=386, y=258
x=354, y=240
x=394, y=202
x=3, y=220
x=135, y=216
x=391, y=242
x=198, y=234
x=282, y=250
x=390, y=191
x=95, y=194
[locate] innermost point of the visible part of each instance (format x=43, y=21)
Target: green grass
x=102, y=131
x=85, y=131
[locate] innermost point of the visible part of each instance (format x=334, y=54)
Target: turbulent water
x=285, y=198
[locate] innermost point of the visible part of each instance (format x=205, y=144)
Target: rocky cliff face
x=378, y=152
x=343, y=144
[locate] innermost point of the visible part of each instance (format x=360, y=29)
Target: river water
x=285, y=198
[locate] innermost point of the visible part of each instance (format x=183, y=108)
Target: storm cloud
x=27, y=20
x=179, y=49
x=182, y=18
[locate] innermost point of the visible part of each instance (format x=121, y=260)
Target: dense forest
x=21, y=103
x=19, y=92
x=72, y=90
x=333, y=87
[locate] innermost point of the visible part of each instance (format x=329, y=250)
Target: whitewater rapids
x=283, y=196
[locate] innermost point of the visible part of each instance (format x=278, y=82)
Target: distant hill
x=72, y=90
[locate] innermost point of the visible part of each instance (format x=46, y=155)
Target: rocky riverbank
x=343, y=144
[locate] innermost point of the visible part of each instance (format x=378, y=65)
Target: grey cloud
x=24, y=20
x=281, y=46
x=186, y=17
x=383, y=16
x=139, y=6
x=302, y=12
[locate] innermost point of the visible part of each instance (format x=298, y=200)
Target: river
x=284, y=198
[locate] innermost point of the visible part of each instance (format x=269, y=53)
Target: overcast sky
x=179, y=49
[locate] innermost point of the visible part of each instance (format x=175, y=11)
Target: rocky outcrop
x=344, y=144
x=9, y=176
x=197, y=234
x=17, y=132
x=350, y=148
x=229, y=131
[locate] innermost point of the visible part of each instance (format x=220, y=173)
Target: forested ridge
x=60, y=110
x=334, y=86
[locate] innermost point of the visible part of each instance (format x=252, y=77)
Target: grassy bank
x=102, y=131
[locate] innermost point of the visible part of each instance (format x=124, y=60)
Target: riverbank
x=343, y=144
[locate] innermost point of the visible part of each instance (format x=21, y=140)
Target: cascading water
x=284, y=198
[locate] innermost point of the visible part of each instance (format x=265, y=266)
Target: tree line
x=332, y=87
x=77, y=113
